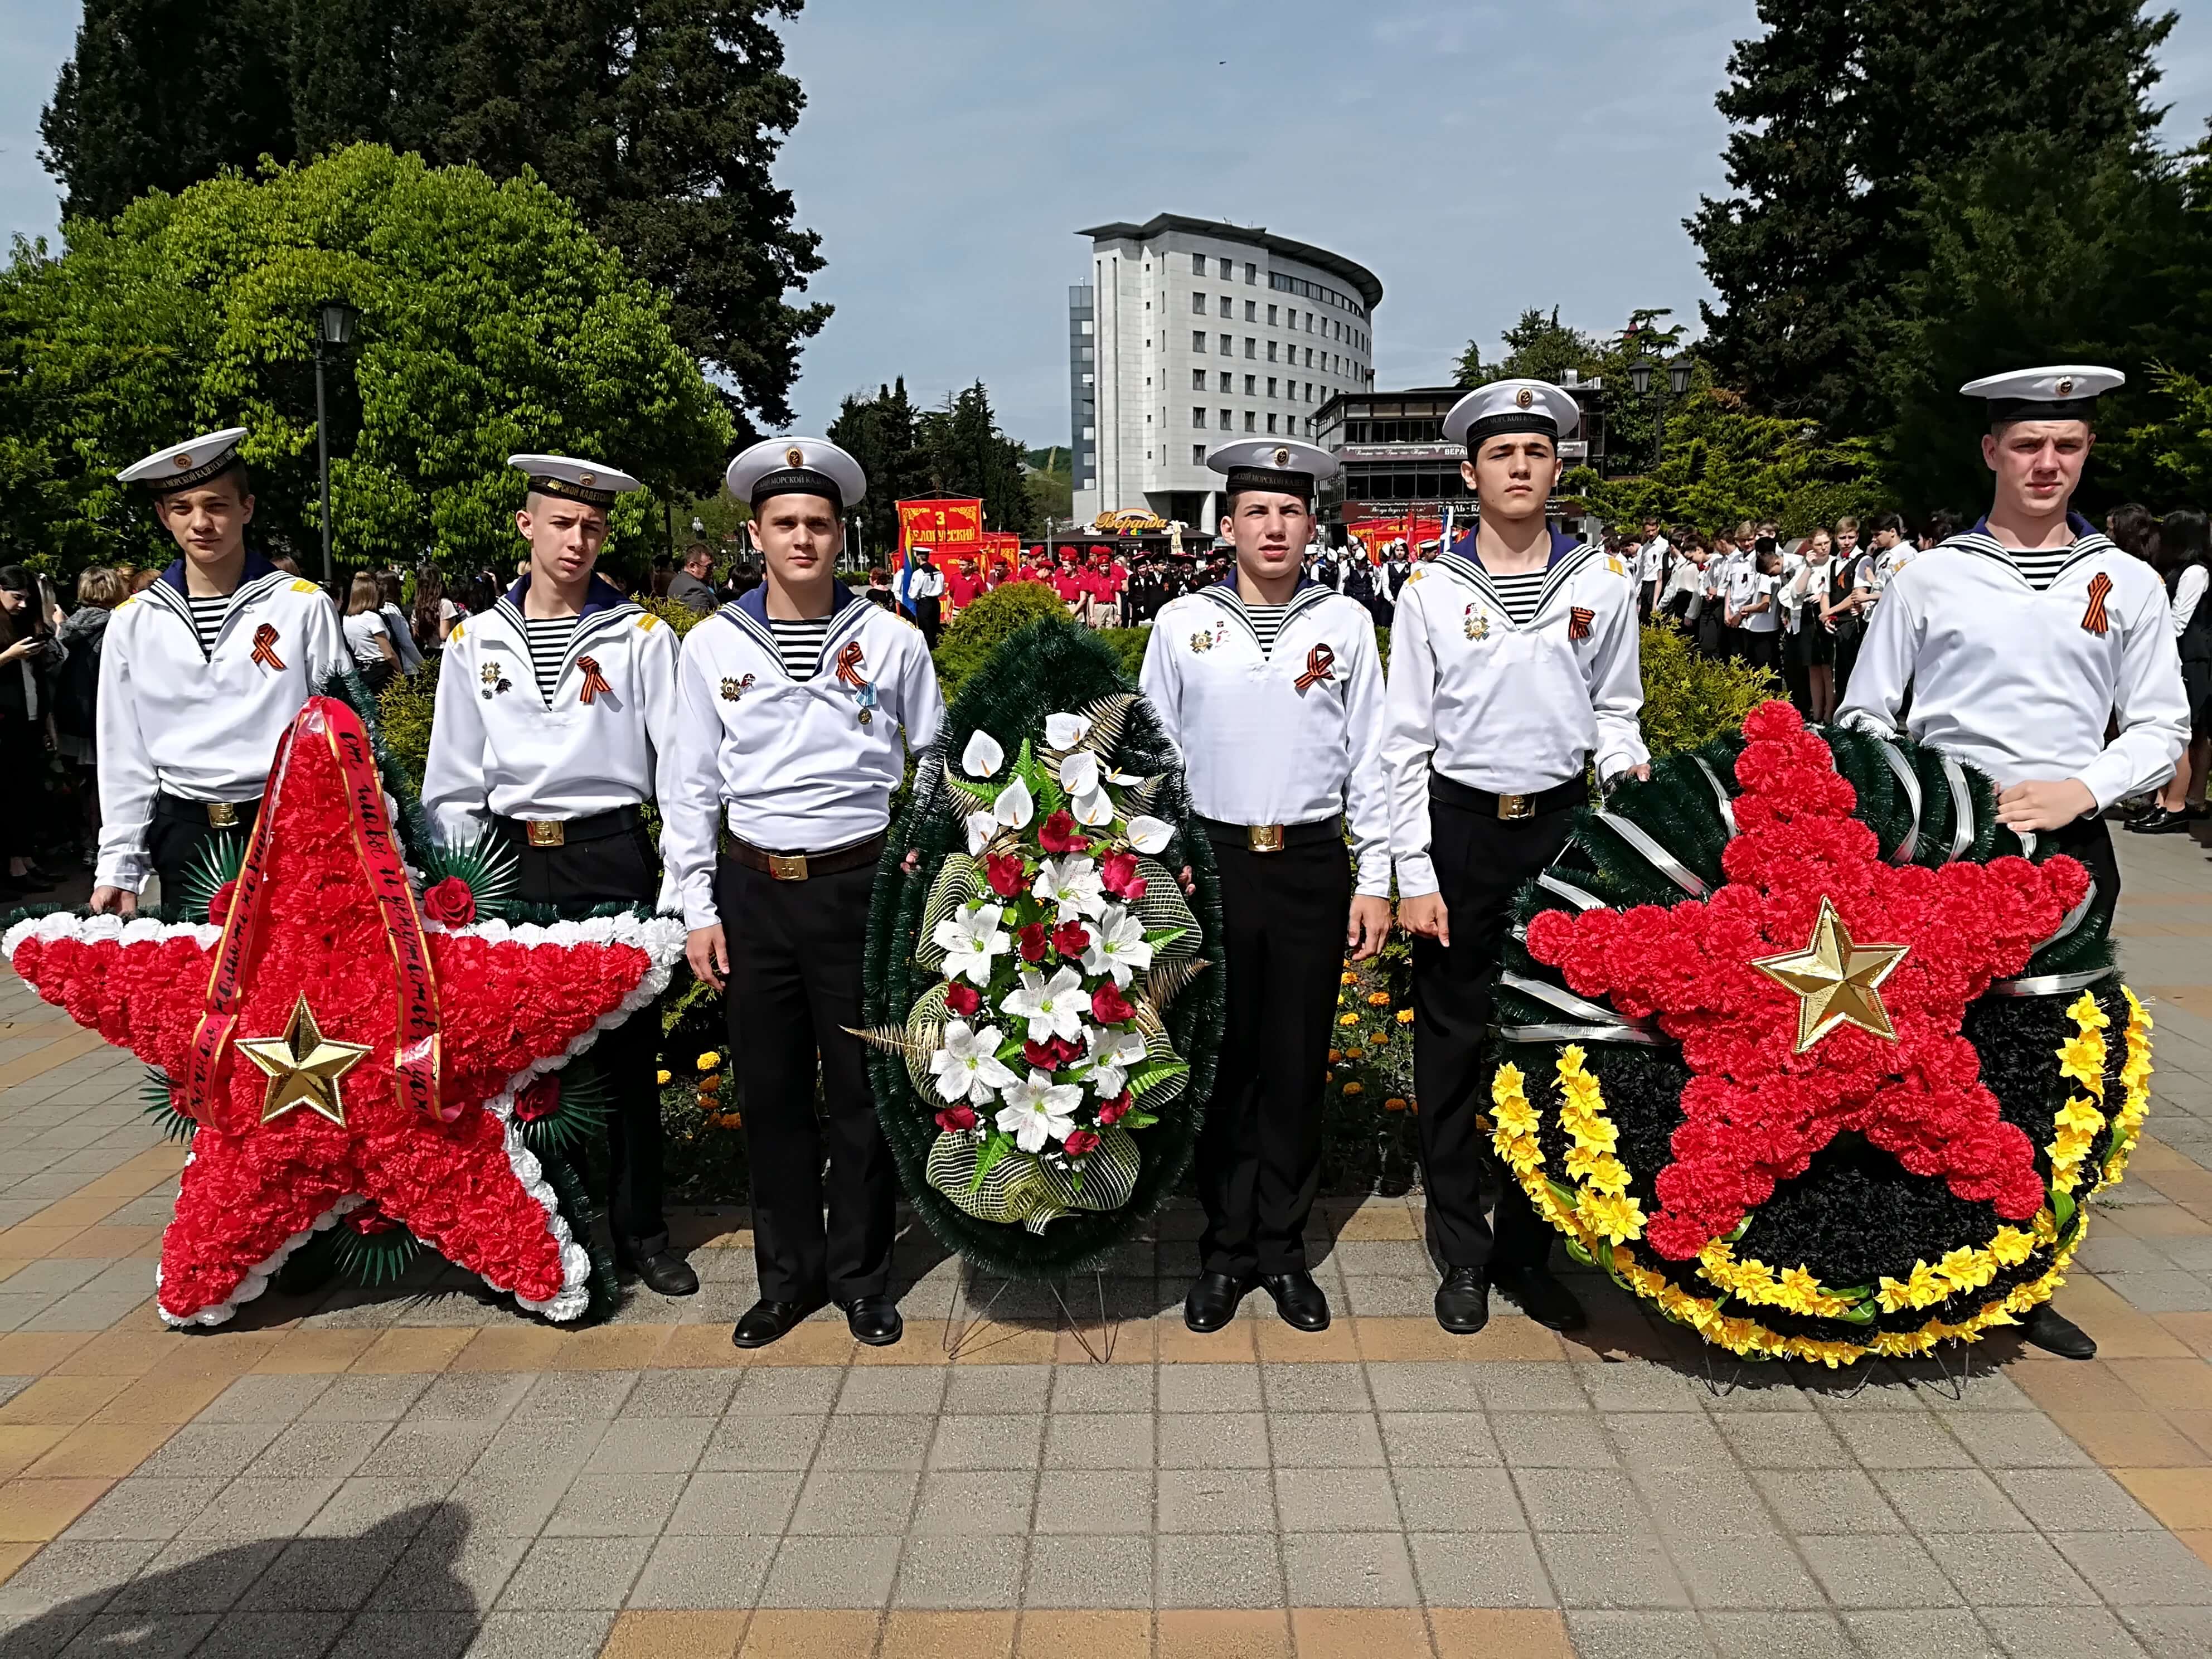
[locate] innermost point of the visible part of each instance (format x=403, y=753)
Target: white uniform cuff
x=1417, y=875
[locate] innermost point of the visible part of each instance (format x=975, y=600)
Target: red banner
x=948, y=527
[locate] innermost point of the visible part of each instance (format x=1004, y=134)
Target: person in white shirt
x=369, y=636
x=390, y=590
x=1751, y=612
x=2184, y=559
x=200, y=674
x=1654, y=559
x=798, y=705
x=2025, y=639
x=925, y=592
x=1512, y=666
x=556, y=723
x=1271, y=688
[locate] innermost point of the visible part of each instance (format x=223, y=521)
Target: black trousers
x=1481, y=862
x=795, y=950
x=574, y=878
x=2090, y=839
x=1259, y=1155
x=178, y=833
x=929, y=616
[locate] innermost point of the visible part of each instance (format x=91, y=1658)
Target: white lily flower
x=1014, y=808
x=982, y=757
x=1065, y=731
x=968, y=1066
x=1078, y=773
x=1070, y=882
x=1112, y=1053
x=969, y=938
x=1149, y=835
x=1052, y=1008
x=1093, y=810
x=1117, y=946
x=1038, y=1110
x=982, y=828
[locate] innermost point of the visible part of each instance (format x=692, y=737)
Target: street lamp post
x=334, y=326
x=1678, y=382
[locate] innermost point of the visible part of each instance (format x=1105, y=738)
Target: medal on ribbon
x=849, y=674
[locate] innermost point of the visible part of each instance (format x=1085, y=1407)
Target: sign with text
x=944, y=527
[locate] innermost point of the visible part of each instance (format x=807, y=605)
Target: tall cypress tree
x=879, y=432
x=1843, y=110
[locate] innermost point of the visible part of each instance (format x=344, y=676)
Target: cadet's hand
x=2045, y=804
x=1641, y=773
x=911, y=862
x=709, y=953
x=1370, y=924
x=1189, y=886
x=1424, y=914
x=120, y=900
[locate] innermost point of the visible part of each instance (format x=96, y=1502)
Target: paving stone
x=1591, y=1570
x=995, y=1390
x=1784, y=1440
x=476, y=1396
x=1480, y=1570
x=510, y=1504
x=1108, y=1571
x=1874, y=1571
x=196, y=1576
x=2140, y=1569
x=1722, y=1571
x=136, y=1508
x=2043, y=1632
x=1543, y=1440
x=1324, y=1440
x=898, y=1442
x=975, y=1501
x=384, y=1633
x=1219, y=1440
x=993, y=1442
x=616, y=1506
x=692, y=1394
x=1101, y=1388
x=892, y=1389
x=730, y=1504
x=209, y=1450
x=681, y=1573
x=1569, y=1500
x=1410, y=1385
x=1100, y=1441
x=856, y=1503
x=359, y=1505
x=316, y=1450
x=1230, y=1569
x=1920, y=1632
x=1830, y=1500
x=1639, y=1635
x=2018, y=1440
x=660, y=1445
x=1950, y=1500
x=832, y=1572
x=520, y=1635
x=566, y=1574
x=1768, y=1635
x=1350, y=1569
x=1681, y=1440
x=1335, y=1500
x=782, y=1390
x=957, y=1571
x=2007, y=1568
x=1073, y=1501
x=380, y=1398
x=451, y=1567
x=2074, y=1500
x=1214, y=1500
x=2171, y=1632
x=261, y=1509
x=1636, y=1385
x=1209, y=1387
x=92, y=1569
x=742, y=1442
x=259, y=1633
x=141, y=1635
x=339, y=1573
x=1443, y=1500
x=424, y=1450
x=1447, y=1439
x=1315, y=1387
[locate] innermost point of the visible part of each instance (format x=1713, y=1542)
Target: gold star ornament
x=1837, y=980
x=303, y=1066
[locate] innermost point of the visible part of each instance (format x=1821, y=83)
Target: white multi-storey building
x=1193, y=333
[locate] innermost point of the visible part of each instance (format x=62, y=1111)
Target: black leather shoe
x=2163, y=823
x=2151, y=822
x=874, y=1319
x=1463, y=1301
x=1303, y=1305
x=2054, y=1333
x=1544, y=1299
x=1213, y=1300
x=663, y=1273
x=767, y=1321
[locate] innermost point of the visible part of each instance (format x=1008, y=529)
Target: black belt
x=1272, y=837
x=799, y=866
x=213, y=814
x=1449, y=792
x=563, y=832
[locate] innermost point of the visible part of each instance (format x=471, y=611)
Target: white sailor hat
x=182, y=466
x=2068, y=391
x=1512, y=406
x=1283, y=465
x=572, y=480
x=797, y=466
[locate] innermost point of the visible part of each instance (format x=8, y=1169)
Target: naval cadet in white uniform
x=797, y=705
x=556, y=722
x=200, y=675
x=1513, y=665
x=1271, y=686
x=2023, y=641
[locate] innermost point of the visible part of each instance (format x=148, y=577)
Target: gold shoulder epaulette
x=454, y=637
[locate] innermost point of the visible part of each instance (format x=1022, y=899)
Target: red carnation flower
x=450, y=901
x=219, y=905
x=956, y=1117
x=963, y=1000
x=367, y=1221
x=1079, y=1141
x=1058, y=834
x=1034, y=939
x=1045, y=1056
x=1070, y=939
x=541, y=1096
x=1109, y=1007
x=1113, y=1111
x=1007, y=874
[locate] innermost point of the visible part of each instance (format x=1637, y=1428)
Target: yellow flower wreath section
x=1593, y=1209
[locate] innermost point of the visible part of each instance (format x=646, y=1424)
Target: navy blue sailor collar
x=256, y=568
x=1563, y=546
x=2080, y=526
x=748, y=612
x=599, y=595
x=2088, y=541
x=754, y=601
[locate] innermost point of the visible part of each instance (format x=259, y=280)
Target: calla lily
x=982, y=827
x=982, y=757
x=1150, y=835
x=1065, y=731
x=1092, y=809
x=1014, y=808
x=1078, y=773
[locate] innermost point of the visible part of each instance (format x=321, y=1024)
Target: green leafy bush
x=404, y=708
x=1689, y=699
x=1128, y=644
x=993, y=619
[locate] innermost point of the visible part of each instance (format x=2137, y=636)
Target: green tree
x=879, y=433
x=966, y=455
x=492, y=322
x=1841, y=111
x=1537, y=347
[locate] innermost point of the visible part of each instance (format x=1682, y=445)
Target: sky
x=949, y=153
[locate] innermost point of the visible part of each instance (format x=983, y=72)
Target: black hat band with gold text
x=2002, y=410
x=1512, y=419
x=188, y=476
x=1241, y=478
x=571, y=492
x=798, y=481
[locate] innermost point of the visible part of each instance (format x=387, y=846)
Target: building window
x=1197, y=379
x=1090, y=432
x=1271, y=351
x=1092, y=483
x=1090, y=328
x=1197, y=418
x=1271, y=385
x=1225, y=345
x=1251, y=350
x=1088, y=379
x=1197, y=340
x=1225, y=380
x=1271, y=423
x=1250, y=382
x=1088, y=354
x=1251, y=422
x=1309, y=356
x=1224, y=304
x=1198, y=264
x=1227, y=268
x=1228, y=420
x=1251, y=311
x=1197, y=454
x=1251, y=272
x=1198, y=303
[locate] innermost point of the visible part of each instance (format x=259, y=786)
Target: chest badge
x=595, y=683
x=849, y=660
x=1321, y=665
x=1206, y=639
x=733, y=689
x=494, y=680
x=1579, y=618
x=1477, y=622
x=2095, y=620
x=264, y=647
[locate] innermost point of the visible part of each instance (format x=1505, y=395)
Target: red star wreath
x=337, y=1048
x=1813, y=939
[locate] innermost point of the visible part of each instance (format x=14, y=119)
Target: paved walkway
x=420, y=1472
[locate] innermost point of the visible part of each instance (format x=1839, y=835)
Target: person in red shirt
x=960, y=585
x=1068, y=582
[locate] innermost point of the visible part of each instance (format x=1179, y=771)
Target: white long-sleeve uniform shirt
x=2013, y=681
x=1510, y=708
x=790, y=763
x=1258, y=747
x=201, y=725
x=498, y=748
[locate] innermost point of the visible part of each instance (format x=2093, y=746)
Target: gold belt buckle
x=221, y=815
x=1264, y=837
x=1517, y=806
x=546, y=832
x=788, y=867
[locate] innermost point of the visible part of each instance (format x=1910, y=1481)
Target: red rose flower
x=1034, y=939
x=1116, y=870
x=540, y=1097
x=1045, y=1056
x=450, y=901
x=1069, y=1048
x=1007, y=874
x=1070, y=939
x=956, y=1117
x=963, y=1000
x=1109, y=1007
x=219, y=905
x=1058, y=834
x=1079, y=1142
x=1115, y=1110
